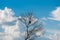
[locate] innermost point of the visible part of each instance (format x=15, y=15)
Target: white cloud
x=52, y=34
x=8, y=38
x=55, y=14
x=6, y=15
x=10, y=32
x=13, y=31
x=44, y=18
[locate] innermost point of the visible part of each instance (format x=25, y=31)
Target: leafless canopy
x=33, y=26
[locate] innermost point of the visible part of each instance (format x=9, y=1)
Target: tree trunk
x=27, y=33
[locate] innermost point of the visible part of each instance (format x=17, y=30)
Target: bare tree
x=33, y=26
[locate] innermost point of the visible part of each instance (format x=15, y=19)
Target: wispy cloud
x=52, y=34
x=55, y=14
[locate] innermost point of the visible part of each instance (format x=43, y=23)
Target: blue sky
x=41, y=7
x=47, y=10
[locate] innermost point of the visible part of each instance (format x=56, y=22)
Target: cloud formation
x=55, y=14
x=10, y=31
x=52, y=34
x=11, y=26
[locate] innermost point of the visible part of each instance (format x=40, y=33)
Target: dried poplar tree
x=33, y=26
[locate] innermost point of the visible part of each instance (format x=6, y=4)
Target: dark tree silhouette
x=33, y=26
